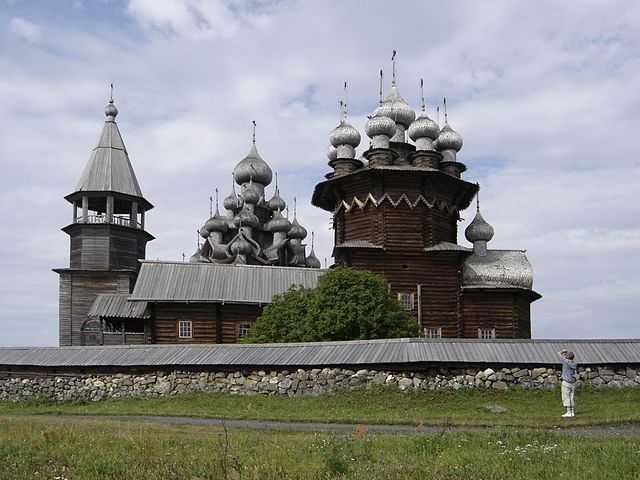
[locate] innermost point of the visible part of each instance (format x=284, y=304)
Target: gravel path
x=625, y=429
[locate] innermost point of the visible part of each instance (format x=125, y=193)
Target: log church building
x=395, y=208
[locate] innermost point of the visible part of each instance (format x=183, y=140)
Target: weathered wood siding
x=78, y=290
x=495, y=309
x=106, y=247
x=64, y=310
x=208, y=326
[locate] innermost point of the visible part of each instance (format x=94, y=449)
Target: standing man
x=568, y=382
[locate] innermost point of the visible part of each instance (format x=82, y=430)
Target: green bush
x=347, y=304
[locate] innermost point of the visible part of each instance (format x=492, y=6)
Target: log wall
x=507, y=312
x=211, y=322
x=78, y=291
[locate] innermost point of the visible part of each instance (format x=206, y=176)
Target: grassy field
x=466, y=408
x=54, y=448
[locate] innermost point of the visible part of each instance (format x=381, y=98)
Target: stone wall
x=95, y=387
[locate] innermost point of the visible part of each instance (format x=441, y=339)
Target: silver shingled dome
x=246, y=219
x=297, y=230
x=250, y=194
x=449, y=139
x=233, y=202
x=396, y=108
x=498, y=269
x=253, y=166
x=312, y=261
x=479, y=230
x=344, y=134
x=110, y=110
x=332, y=153
x=278, y=223
x=423, y=127
x=380, y=125
x=276, y=202
x=217, y=223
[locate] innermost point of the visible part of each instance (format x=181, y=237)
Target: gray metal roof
x=117, y=306
x=498, y=268
x=447, y=247
x=109, y=168
x=208, y=282
x=371, y=352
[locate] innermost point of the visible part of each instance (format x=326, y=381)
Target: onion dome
x=396, y=108
x=332, y=153
x=253, y=166
x=479, y=230
x=251, y=194
x=297, y=230
x=278, y=223
x=449, y=139
x=344, y=134
x=498, y=269
x=276, y=202
x=233, y=202
x=423, y=127
x=204, y=233
x=312, y=261
x=241, y=246
x=247, y=219
x=110, y=110
x=216, y=223
x=380, y=125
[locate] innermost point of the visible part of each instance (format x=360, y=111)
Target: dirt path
x=626, y=429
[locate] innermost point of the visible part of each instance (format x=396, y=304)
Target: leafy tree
x=347, y=304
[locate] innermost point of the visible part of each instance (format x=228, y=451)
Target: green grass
x=539, y=408
x=55, y=448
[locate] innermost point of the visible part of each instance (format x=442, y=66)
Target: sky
x=545, y=95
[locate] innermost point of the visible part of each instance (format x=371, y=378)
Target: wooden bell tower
x=107, y=232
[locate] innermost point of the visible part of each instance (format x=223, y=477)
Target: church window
x=433, y=332
x=487, y=333
x=243, y=329
x=185, y=329
x=406, y=300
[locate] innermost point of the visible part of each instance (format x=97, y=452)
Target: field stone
x=495, y=408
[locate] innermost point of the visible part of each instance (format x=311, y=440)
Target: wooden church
x=395, y=212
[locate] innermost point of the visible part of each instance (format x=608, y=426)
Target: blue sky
x=544, y=94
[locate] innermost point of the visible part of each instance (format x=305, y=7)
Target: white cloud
x=185, y=17
x=25, y=29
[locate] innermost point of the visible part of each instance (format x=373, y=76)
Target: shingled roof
x=215, y=283
x=109, y=168
x=117, y=305
x=383, y=353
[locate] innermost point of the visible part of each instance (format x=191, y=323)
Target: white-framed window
x=433, y=332
x=406, y=300
x=487, y=333
x=243, y=329
x=185, y=329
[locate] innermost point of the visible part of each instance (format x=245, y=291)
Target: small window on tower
x=185, y=329
x=433, y=332
x=406, y=300
x=243, y=329
x=487, y=333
